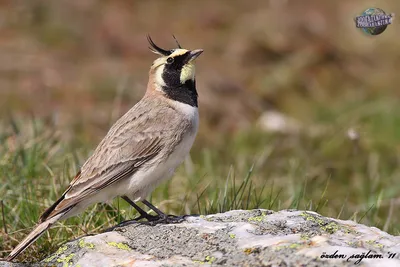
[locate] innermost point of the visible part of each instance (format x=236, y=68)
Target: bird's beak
x=194, y=54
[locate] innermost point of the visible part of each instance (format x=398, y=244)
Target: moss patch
x=208, y=260
x=305, y=236
x=249, y=251
x=119, y=245
x=326, y=225
x=374, y=243
x=83, y=244
x=66, y=260
x=291, y=246
x=258, y=218
x=58, y=252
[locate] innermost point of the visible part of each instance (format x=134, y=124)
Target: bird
x=142, y=148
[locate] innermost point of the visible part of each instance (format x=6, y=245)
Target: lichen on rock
x=235, y=238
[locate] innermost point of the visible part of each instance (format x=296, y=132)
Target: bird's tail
x=35, y=234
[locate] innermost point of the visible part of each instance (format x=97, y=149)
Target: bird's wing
x=91, y=180
x=118, y=156
x=115, y=163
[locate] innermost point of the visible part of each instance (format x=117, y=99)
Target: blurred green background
x=298, y=107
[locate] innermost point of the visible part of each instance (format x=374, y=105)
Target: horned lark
x=141, y=149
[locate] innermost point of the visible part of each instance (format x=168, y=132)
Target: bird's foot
x=166, y=219
x=148, y=217
x=151, y=220
x=122, y=224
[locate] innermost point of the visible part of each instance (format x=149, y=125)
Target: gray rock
x=235, y=238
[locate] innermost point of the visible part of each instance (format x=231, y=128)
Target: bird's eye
x=170, y=60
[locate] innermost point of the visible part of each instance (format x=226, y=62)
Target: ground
x=235, y=238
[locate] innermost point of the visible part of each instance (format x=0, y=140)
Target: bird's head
x=174, y=72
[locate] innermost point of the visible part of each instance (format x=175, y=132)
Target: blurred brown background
x=298, y=108
x=83, y=63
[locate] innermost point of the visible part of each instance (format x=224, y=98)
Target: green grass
x=89, y=68
x=324, y=172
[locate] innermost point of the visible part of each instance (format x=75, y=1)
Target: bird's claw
x=152, y=220
x=167, y=219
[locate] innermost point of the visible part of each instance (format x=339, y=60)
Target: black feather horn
x=179, y=46
x=156, y=49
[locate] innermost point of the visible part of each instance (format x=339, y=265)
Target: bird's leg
x=162, y=217
x=160, y=214
x=143, y=214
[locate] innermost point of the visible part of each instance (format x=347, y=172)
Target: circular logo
x=373, y=21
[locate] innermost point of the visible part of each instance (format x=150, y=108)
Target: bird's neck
x=185, y=93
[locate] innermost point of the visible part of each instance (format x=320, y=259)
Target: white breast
x=144, y=181
x=191, y=113
x=183, y=148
